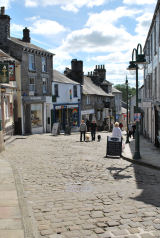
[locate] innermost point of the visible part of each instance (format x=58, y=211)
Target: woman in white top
x=116, y=130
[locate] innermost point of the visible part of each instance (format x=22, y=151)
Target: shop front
x=33, y=115
x=67, y=114
x=88, y=114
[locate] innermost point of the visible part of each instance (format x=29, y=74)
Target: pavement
x=11, y=217
x=150, y=155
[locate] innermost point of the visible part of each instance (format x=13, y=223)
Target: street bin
x=114, y=146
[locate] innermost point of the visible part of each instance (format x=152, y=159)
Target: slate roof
x=28, y=45
x=6, y=57
x=61, y=78
x=114, y=90
x=105, y=82
x=90, y=88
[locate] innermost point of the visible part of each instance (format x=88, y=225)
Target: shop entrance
x=36, y=118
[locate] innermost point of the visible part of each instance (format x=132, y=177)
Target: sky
x=98, y=32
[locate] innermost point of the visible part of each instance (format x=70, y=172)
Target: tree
x=122, y=88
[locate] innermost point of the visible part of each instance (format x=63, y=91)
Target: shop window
x=36, y=115
x=56, y=90
x=32, y=62
x=44, y=64
x=31, y=84
x=75, y=90
x=44, y=81
x=6, y=104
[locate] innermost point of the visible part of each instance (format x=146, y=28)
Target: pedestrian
x=93, y=130
x=133, y=130
x=116, y=130
x=83, y=129
x=121, y=125
x=130, y=130
x=88, y=125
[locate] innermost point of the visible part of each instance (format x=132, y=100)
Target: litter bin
x=114, y=146
x=67, y=130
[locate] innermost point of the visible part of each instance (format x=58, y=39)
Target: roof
x=6, y=57
x=90, y=88
x=27, y=44
x=61, y=78
x=114, y=90
x=153, y=21
x=105, y=82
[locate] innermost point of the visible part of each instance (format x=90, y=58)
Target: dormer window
x=44, y=64
x=32, y=62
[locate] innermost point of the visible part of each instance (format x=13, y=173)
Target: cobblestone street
x=68, y=189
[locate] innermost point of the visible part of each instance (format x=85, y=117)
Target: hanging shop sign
x=11, y=72
x=4, y=73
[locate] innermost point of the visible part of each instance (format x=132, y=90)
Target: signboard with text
x=11, y=72
x=4, y=73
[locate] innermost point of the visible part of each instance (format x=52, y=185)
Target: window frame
x=44, y=85
x=31, y=62
x=31, y=88
x=44, y=64
x=56, y=90
x=75, y=94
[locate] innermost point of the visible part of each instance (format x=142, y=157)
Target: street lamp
x=127, y=139
x=137, y=59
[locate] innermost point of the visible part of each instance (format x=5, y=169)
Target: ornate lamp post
x=137, y=59
x=127, y=139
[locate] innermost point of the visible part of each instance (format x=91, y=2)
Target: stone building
x=151, y=100
x=35, y=86
x=66, y=102
x=96, y=102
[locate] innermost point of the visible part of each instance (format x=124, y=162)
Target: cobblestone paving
x=75, y=192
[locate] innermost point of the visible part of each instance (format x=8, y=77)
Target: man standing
x=93, y=130
x=83, y=129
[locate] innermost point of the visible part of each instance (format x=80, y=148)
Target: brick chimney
x=26, y=35
x=4, y=28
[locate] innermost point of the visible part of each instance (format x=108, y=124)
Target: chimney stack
x=2, y=10
x=26, y=35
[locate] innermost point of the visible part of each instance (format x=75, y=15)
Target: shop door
x=36, y=118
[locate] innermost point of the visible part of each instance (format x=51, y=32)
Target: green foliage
x=122, y=88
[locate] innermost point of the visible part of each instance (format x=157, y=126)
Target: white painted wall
x=64, y=93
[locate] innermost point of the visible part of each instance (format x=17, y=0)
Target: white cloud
x=66, y=5
x=46, y=27
x=143, y=25
x=5, y=3
x=139, y=2
x=41, y=27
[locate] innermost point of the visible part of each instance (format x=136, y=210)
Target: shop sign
x=137, y=116
x=11, y=72
x=4, y=75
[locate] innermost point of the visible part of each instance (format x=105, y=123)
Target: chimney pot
x=2, y=10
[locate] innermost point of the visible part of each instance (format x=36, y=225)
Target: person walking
x=93, y=130
x=83, y=129
x=121, y=125
x=130, y=130
x=133, y=129
x=116, y=130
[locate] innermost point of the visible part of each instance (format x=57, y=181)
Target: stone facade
x=29, y=54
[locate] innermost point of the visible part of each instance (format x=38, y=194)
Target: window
x=56, y=90
x=88, y=100
x=44, y=65
x=6, y=107
x=75, y=91
x=155, y=83
x=155, y=51
x=151, y=48
x=32, y=62
x=44, y=88
x=32, y=84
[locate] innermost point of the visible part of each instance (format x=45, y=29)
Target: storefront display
x=36, y=115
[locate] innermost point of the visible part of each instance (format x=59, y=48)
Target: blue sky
x=99, y=32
